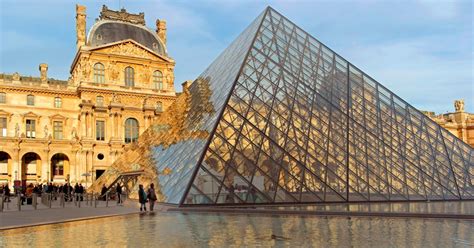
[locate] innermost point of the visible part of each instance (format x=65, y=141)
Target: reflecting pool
x=220, y=230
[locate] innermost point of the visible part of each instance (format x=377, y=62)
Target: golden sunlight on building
x=121, y=80
x=459, y=123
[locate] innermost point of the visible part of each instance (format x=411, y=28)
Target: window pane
x=3, y=97
x=158, y=80
x=3, y=127
x=99, y=73
x=30, y=100
x=131, y=130
x=58, y=130
x=57, y=102
x=129, y=77
x=100, y=101
x=100, y=130
x=30, y=128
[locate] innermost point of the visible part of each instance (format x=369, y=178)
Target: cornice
x=124, y=93
x=41, y=90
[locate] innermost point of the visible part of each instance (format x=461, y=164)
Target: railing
x=59, y=200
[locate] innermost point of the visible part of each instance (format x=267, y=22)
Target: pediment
x=57, y=117
x=4, y=113
x=130, y=48
x=30, y=115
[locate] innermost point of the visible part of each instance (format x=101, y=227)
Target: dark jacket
x=141, y=196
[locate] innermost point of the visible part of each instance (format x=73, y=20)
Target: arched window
x=99, y=101
x=58, y=102
x=129, y=77
x=158, y=80
x=131, y=130
x=30, y=100
x=3, y=97
x=57, y=164
x=99, y=73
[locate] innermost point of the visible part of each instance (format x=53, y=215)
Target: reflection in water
x=216, y=230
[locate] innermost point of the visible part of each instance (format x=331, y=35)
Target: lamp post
x=16, y=175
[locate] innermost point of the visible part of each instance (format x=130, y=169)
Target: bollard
x=34, y=200
x=1, y=202
x=19, y=201
x=95, y=200
x=50, y=199
x=106, y=199
x=62, y=201
x=79, y=202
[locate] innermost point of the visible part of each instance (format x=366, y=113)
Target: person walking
x=102, y=192
x=151, y=196
x=142, y=197
x=6, y=190
x=119, y=193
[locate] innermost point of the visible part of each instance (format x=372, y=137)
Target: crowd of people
x=26, y=193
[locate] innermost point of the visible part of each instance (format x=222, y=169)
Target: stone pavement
x=28, y=216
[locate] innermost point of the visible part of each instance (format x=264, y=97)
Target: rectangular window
x=3, y=127
x=58, y=130
x=58, y=102
x=3, y=97
x=30, y=100
x=99, y=101
x=100, y=130
x=30, y=128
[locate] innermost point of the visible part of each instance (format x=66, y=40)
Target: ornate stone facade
x=459, y=123
x=60, y=130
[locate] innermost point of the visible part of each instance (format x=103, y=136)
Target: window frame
x=3, y=97
x=99, y=73
x=3, y=126
x=30, y=100
x=158, y=80
x=58, y=131
x=129, y=75
x=30, y=128
x=58, y=102
x=100, y=132
x=131, y=132
x=99, y=103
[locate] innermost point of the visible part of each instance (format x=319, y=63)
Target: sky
x=421, y=50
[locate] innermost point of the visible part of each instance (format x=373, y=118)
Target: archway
x=30, y=168
x=59, y=167
x=5, y=167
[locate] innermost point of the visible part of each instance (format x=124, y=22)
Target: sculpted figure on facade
x=113, y=71
x=116, y=99
x=16, y=76
x=459, y=105
x=46, y=131
x=17, y=130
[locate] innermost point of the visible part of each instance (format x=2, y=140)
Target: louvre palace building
x=278, y=117
x=121, y=80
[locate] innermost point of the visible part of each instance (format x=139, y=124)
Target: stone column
x=46, y=167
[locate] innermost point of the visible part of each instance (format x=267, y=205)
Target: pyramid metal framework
x=290, y=121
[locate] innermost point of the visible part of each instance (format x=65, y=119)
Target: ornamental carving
x=459, y=105
x=122, y=15
x=113, y=71
x=129, y=49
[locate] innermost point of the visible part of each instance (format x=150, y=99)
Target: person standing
x=151, y=196
x=102, y=192
x=142, y=197
x=6, y=190
x=119, y=193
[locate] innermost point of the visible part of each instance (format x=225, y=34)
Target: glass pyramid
x=284, y=119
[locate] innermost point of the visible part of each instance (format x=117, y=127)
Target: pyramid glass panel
x=287, y=120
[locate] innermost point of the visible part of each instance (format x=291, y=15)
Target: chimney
x=161, y=30
x=43, y=72
x=80, y=25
